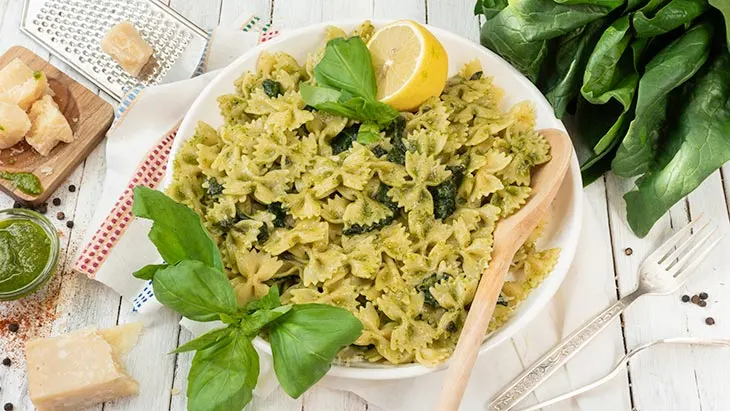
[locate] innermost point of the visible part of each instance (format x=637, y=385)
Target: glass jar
x=44, y=272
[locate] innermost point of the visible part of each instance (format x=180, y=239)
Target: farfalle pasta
x=398, y=231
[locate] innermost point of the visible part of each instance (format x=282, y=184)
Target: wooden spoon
x=509, y=235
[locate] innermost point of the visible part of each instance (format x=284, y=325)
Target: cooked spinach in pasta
x=397, y=230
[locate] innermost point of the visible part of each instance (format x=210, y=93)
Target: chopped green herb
x=214, y=188
x=37, y=75
x=271, y=88
x=378, y=150
x=476, y=76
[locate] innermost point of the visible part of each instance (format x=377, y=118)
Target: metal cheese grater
x=72, y=31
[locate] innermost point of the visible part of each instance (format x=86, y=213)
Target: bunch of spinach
x=304, y=338
x=639, y=81
x=346, y=87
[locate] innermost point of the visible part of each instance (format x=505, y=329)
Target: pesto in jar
x=25, y=249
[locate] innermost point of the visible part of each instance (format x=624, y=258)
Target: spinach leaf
x=675, y=14
x=397, y=133
x=277, y=209
x=271, y=88
x=724, y=7
x=347, y=65
x=305, y=340
x=204, y=341
x=177, y=231
x=148, y=271
x=343, y=141
x=489, y=8
x=674, y=65
x=425, y=287
x=195, y=290
x=561, y=83
x=698, y=144
x=444, y=195
x=222, y=377
x=214, y=188
x=606, y=68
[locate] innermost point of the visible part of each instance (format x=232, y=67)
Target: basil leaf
x=669, y=69
x=204, y=341
x=196, y=291
x=252, y=324
x=674, y=14
x=699, y=143
x=356, y=108
x=148, y=271
x=222, y=377
x=267, y=302
x=347, y=65
x=368, y=133
x=305, y=340
x=177, y=231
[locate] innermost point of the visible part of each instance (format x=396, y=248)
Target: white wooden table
x=664, y=379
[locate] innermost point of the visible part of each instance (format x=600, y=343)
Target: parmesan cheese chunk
x=124, y=44
x=14, y=123
x=80, y=369
x=20, y=85
x=48, y=126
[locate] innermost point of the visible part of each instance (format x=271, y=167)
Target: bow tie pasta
x=397, y=231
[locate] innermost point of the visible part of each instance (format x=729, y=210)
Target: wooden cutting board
x=88, y=115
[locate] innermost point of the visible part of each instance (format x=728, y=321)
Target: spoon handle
x=473, y=334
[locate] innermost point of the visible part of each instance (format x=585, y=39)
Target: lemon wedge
x=410, y=64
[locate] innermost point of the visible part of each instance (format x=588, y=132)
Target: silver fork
x=624, y=361
x=662, y=273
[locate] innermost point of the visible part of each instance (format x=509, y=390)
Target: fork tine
x=666, y=262
x=672, y=241
x=687, y=263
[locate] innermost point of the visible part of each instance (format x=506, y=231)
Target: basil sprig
x=346, y=84
x=304, y=338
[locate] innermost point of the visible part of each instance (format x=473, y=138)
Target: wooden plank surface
x=663, y=379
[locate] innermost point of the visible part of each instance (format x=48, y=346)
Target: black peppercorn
x=704, y=296
x=685, y=298
x=60, y=215
x=710, y=321
x=8, y=406
x=13, y=327
x=7, y=362
x=702, y=303
x=43, y=208
x=56, y=201
x=72, y=188
x=70, y=224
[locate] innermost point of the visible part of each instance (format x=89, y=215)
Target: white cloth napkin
x=137, y=150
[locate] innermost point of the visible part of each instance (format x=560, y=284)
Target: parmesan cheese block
x=20, y=85
x=80, y=369
x=48, y=126
x=124, y=44
x=14, y=123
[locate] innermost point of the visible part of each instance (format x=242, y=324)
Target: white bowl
x=565, y=220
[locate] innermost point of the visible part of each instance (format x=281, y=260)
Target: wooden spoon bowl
x=509, y=236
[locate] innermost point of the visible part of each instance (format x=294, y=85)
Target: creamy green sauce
x=24, y=252
x=25, y=182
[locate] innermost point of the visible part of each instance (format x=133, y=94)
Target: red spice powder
x=34, y=315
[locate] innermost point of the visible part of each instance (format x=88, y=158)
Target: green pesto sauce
x=25, y=182
x=24, y=252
